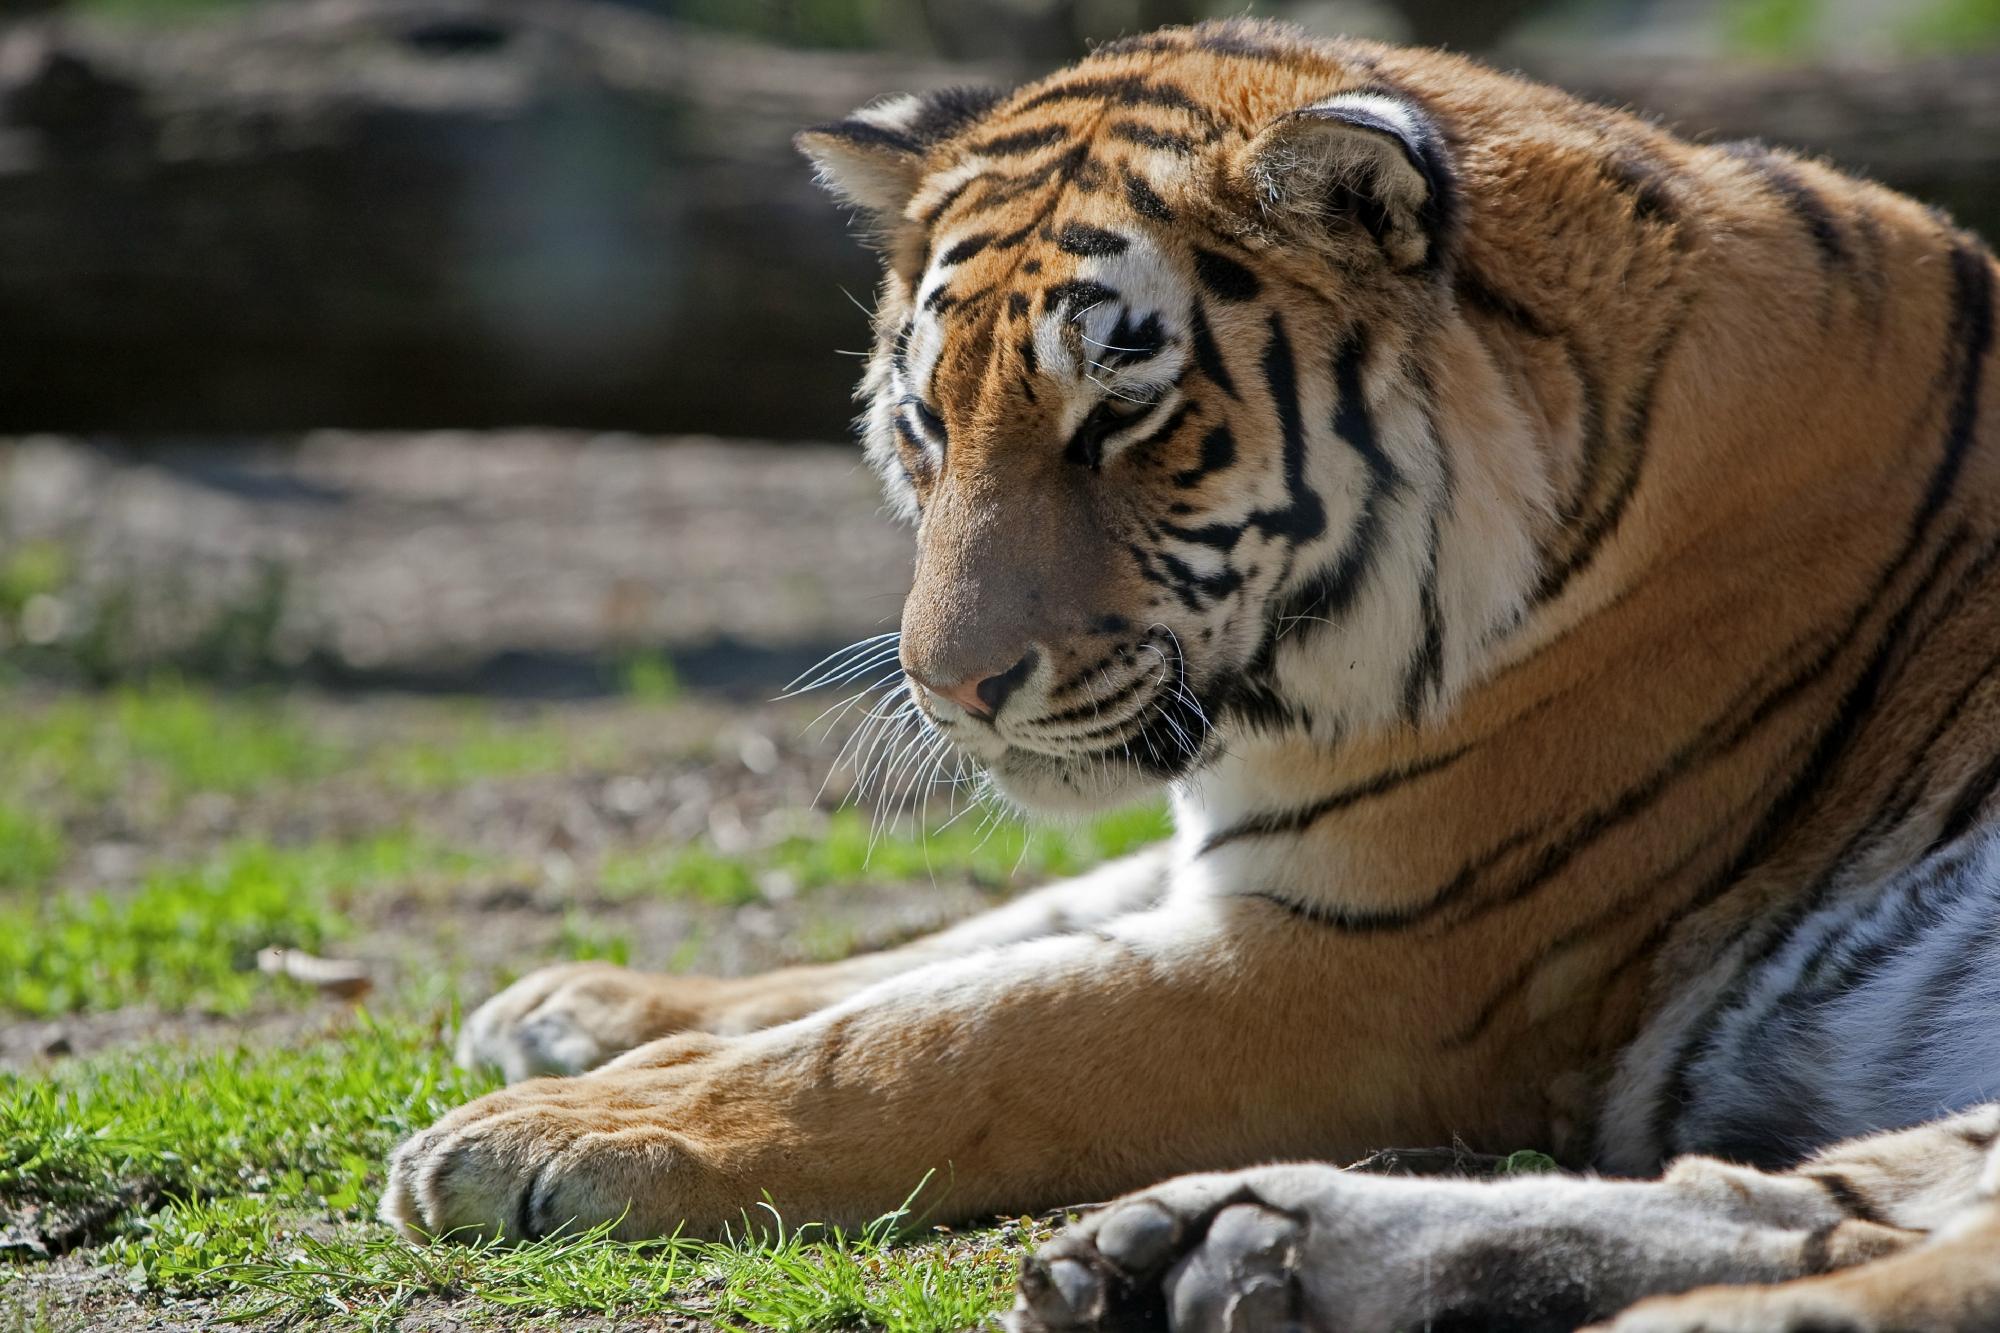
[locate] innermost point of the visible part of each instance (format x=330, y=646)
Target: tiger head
x=1151, y=379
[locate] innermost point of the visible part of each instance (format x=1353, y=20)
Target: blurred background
x=391, y=342
x=422, y=464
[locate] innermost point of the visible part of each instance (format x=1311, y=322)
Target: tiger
x=1551, y=566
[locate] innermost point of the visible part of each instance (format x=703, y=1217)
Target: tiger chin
x=1555, y=569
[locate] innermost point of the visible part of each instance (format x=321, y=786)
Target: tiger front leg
x=1027, y=1076
x=1948, y=1284
x=570, y=1017
x=1942, y=1181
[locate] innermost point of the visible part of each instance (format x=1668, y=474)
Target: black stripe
x=1143, y=559
x=946, y=111
x=1124, y=91
x=1909, y=787
x=1021, y=141
x=1979, y=1139
x=1167, y=429
x=1972, y=325
x=528, y=1205
x=1218, y=451
x=1636, y=426
x=1423, y=678
x=1722, y=737
x=1847, y=1197
x=1330, y=591
x=951, y=196
x=1300, y=818
x=1304, y=516
x=1128, y=343
x=1144, y=44
x=1803, y=201
x=1144, y=202
x=1077, y=238
x=1206, y=354
x=1241, y=38
x=967, y=248
x=1618, y=910
x=1148, y=136
x=1477, y=293
x=1095, y=708
x=1075, y=294
x=1838, y=967
x=1012, y=240
x=1972, y=799
x=1220, y=536
x=1002, y=188
x=1210, y=588
x=861, y=132
x=1816, y=1251
x=1223, y=277
x=1353, y=422
x=1647, y=183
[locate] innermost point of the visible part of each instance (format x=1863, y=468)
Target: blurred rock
x=528, y=562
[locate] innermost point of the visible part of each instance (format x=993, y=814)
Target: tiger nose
x=983, y=696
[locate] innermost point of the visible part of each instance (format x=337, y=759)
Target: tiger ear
x=1364, y=160
x=874, y=159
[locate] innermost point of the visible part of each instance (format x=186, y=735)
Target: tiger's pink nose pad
x=983, y=697
x=966, y=695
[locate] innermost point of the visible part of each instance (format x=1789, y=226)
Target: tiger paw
x=555, y=1155
x=1202, y=1253
x=576, y=1016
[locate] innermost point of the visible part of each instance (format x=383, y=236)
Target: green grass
x=480, y=746
x=304, y=1125
x=650, y=678
x=187, y=938
x=159, y=11
x=31, y=849
x=88, y=747
x=1774, y=27
x=245, y=1178
x=1953, y=26
x=262, y=1263
x=254, y=1174
x=183, y=740
x=31, y=570
x=849, y=851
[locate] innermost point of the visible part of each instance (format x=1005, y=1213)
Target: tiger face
x=1121, y=386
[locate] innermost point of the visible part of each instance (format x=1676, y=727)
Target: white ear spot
x=1361, y=159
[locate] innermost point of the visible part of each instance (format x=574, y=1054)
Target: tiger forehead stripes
x=1553, y=568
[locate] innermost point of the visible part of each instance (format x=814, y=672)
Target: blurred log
x=483, y=212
